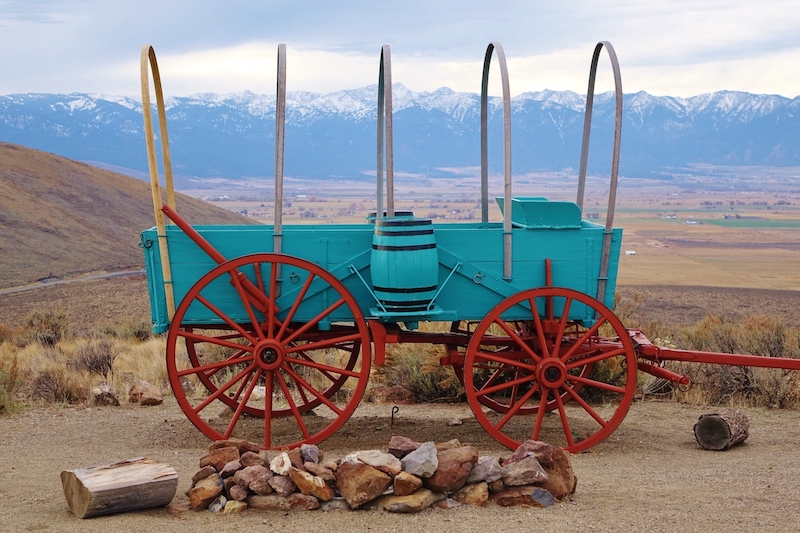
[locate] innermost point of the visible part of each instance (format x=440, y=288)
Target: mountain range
x=435, y=133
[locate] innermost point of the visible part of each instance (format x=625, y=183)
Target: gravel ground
x=650, y=475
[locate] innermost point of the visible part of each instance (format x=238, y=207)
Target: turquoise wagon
x=280, y=324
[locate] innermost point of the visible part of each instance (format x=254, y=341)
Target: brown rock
x=218, y=504
x=447, y=503
x=234, y=507
x=453, y=470
x=448, y=445
x=281, y=464
x=405, y=484
x=310, y=453
x=230, y=469
x=247, y=475
x=238, y=493
x=526, y=471
x=202, y=474
x=401, y=446
x=320, y=470
x=496, y=486
x=296, y=458
x=330, y=464
x=337, y=503
x=261, y=485
x=422, y=462
x=241, y=444
x=282, y=485
x=105, y=395
x=227, y=483
x=220, y=457
x=385, y=462
x=487, y=469
x=311, y=484
x=413, y=503
x=475, y=494
x=179, y=505
x=272, y=502
x=144, y=393
x=561, y=480
x=204, y=492
x=395, y=395
x=151, y=398
x=359, y=483
x=251, y=459
x=527, y=495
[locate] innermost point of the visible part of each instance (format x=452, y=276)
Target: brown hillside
x=64, y=217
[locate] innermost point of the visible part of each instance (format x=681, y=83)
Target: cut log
x=138, y=483
x=721, y=430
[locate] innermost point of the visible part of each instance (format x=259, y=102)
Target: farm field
x=726, y=228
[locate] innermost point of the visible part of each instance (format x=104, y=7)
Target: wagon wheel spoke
x=486, y=357
x=269, y=378
x=298, y=416
x=584, y=338
x=302, y=358
x=310, y=388
x=589, y=409
x=562, y=326
x=561, y=378
x=293, y=309
x=253, y=380
x=604, y=356
x=225, y=318
x=273, y=290
x=313, y=322
x=537, y=425
x=325, y=370
x=312, y=353
x=210, y=369
x=224, y=388
x=516, y=339
x=598, y=384
x=246, y=302
x=562, y=414
x=516, y=406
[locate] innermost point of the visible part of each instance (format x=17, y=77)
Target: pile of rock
x=236, y=475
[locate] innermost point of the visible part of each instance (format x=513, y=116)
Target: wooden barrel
x=404, y=264
x=397, y=214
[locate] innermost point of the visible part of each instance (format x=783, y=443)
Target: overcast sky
x=665, y=47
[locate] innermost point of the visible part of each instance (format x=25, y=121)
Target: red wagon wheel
x=503, y=371
x=269, y=367
x=523, y=369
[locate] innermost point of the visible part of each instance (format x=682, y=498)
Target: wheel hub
x=268, y=355
x=552, y=373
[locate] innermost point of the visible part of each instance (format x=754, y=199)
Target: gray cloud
x=73, y=45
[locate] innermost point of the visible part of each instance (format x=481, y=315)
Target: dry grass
x=67, y=372
x=62, y=217
x=416, y=367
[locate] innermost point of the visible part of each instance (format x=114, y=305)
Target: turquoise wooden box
x=469, y=274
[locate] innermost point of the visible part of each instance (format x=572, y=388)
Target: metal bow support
x=501, y=59
x=587, y=127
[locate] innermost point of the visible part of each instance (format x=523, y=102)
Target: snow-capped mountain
x=333, y=134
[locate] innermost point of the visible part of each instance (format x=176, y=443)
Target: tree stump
x=721, y=430
x=138, y=483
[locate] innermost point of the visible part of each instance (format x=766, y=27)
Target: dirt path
x=649, y=475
